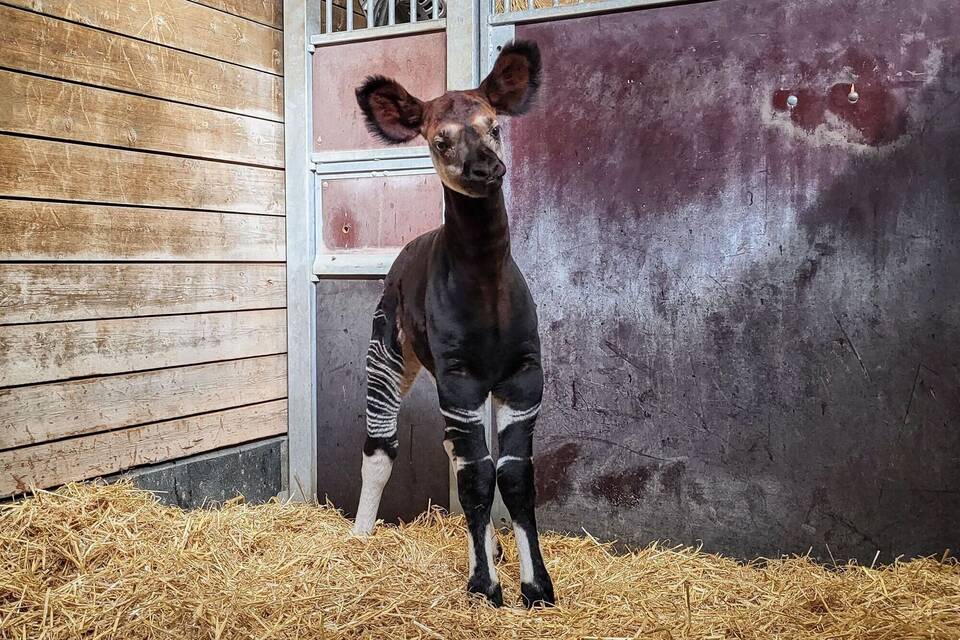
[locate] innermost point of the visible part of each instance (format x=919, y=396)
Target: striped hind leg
x=391, y=370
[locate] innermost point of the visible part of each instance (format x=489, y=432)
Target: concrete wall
x=256, y=471
x=749, y=313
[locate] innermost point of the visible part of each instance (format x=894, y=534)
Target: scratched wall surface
x=379, y=211
x=749, y=313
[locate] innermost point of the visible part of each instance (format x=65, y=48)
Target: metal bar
x=329, y=16
x=370, y=155
x=343, y=173
x=506, y=8
x=413, y=11
x=350, y=16
x=300, y=19
x=391, y=13
x=556, y=3
x=530, y=5
x=365, y=263
x=572, y=10
x=436, y=9
x=402, y=29
x=378, y=167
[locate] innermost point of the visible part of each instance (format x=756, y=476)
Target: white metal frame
x=300, y=21
x=558, y=12
x=375, y=33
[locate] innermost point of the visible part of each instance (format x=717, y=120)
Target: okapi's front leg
x=466, y=444
x=517, y=403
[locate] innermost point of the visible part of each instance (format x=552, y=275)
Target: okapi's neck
x=477, y=231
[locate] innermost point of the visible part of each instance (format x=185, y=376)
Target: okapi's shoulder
x=413, y=258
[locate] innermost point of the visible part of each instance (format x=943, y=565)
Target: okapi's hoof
x=534, y=595
x=493, y=593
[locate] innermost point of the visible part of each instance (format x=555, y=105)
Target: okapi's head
x=461, y=127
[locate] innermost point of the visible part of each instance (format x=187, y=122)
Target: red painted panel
x=381, y=212
x=418, y=62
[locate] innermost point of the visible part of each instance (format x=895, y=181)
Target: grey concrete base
x=256, y=471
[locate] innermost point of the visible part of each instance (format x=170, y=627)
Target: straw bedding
x=95, y=561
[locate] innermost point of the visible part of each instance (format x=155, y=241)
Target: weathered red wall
x=749, y=314
x=380, y=211
x=338, y=69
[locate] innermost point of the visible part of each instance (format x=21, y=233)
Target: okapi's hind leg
x=391, y=369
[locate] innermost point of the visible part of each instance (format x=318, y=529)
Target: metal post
x=329, y=15
x=391, y=12
x=301, y=19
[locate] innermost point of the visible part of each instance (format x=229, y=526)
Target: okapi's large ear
x=513, y=83
x=392, y=114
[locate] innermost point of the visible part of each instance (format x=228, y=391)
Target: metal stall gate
x=360, y=203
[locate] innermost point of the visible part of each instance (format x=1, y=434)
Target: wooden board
x=176, y=23
x=48, y=352
x=55, y=463
x=264, y=11
x=32, y=230
x=63, y=171
x=54, y=109
x=59, y=49
x=48, y=292
x=39, y=413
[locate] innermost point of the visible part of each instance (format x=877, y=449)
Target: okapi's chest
x=481, y=324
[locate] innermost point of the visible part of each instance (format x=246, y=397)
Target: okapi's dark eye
x=495, y=131
x=441, y=145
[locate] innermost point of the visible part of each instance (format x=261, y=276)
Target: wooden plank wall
x=142, y=275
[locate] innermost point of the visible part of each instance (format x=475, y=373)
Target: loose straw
x=108, y=561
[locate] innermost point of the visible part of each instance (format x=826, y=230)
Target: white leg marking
x=448, y=445
x=460, y=463
x=375, y=472
x=471, y=556
x=505, y=459
x=506, y=415
x=490, y=546
x=466, y=416
x=526, y=561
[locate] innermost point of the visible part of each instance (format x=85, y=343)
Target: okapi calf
x=455, y=303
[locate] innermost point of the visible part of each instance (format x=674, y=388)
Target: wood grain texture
x=264, y=11
x=60, y=292
x=176, y=23
x=62, y=171
x=38, y=413
x=48, y=352
x=59, y=49
x=55, y=463
x=54, y=109
x=33, y=230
